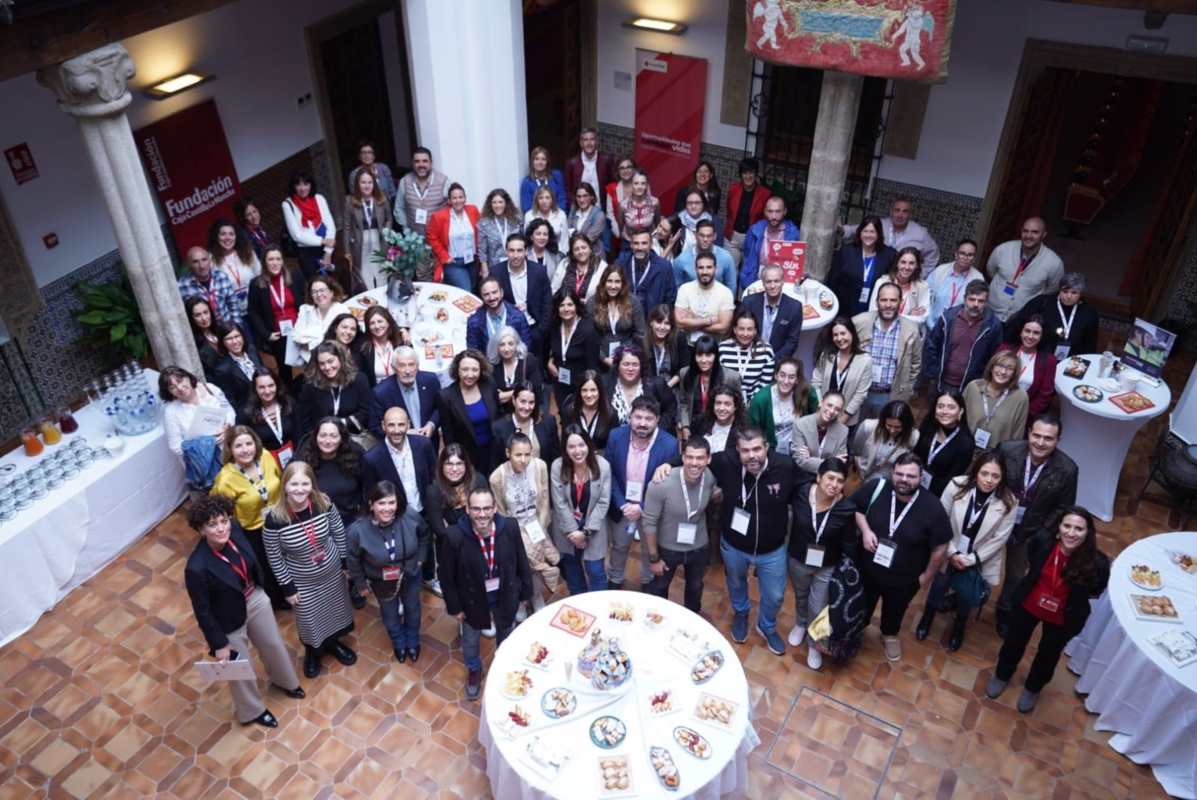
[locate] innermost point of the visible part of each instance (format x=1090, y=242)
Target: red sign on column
x=791, y=257
x=192, y=171
x=670, y=101
x=20, y=161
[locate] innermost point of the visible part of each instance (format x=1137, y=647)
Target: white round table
x=436, y=315
x=1133, y=686
x=656, y=667
x=808, y=293
x=1097, y=435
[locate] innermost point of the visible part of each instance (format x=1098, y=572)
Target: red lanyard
x=956, y=289
x=241, y=568
x=488, y=550
x=579, y=282
x=1023, y=263
x=309, y=529
x=579, y=490
x=212, y=300
x=703, y=387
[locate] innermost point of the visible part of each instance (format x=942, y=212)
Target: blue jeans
x=404, y=629
x=770, y=578
x=470, y=649
x=583, y=575
x=459, y=275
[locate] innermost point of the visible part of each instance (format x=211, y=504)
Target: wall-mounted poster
x=670, y=100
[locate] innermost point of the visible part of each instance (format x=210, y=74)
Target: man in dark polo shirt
x=960, y=344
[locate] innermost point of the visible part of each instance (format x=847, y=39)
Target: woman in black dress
x=448, y=492
x=666, y=347
x=573, y=345
x=512, y=365
x=628, y=380
x=271, y=413
x=199, y=317
x=541, y=429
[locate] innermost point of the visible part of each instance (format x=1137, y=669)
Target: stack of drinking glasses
x=20, y=491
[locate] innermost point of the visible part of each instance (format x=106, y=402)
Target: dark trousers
x=431, y=556
x=1016, y=570
x=1051, y=645
x=939, y=588
x=310, y=261
x=894, y=602
x=273, y=591
x=694, y=562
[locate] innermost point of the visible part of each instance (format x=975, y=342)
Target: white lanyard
x=501, y=227
x=368, y=213
x=985, y=402
x=275, y=423
x=934, y=451
x=659, y=354
x=590, y=425
x=281, y=297
x=743, y=359
x=975, y=511
x=1067, y=321
x=744, y=495
x=839, y=376
x=893, y=507
x=818, y=528
x=565, y=340
x=1029, y=479
x=821, y=436
x=702, y=483
x=336, y=396
x=648, y=267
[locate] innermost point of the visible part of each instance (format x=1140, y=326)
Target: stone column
x=839, y=100
x=467, y=76
x=92, y=88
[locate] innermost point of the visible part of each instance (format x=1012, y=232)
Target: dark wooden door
x=553, y=76
x=356, y=88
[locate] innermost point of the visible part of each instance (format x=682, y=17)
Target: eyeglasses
x=964, y=254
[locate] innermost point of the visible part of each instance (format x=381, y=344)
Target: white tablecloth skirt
x=506, y=784
x=1154, y=717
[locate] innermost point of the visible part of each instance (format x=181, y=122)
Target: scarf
x=309, y=211
x=689, y=222
x=623, y=406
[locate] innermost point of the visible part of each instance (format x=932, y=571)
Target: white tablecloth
x=74, y=531
x=654, y=667
x=429, y=334
x=1098, y=435
x=1133, y=687
x=807, y=293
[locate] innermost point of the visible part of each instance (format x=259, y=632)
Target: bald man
x=1023, y=269
x=204, y=280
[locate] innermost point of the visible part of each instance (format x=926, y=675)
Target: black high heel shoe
x=311, y=662
x=295, y=694
x=343, y=654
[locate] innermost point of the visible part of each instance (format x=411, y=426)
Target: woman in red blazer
x=453, y=236
x=1036, y=367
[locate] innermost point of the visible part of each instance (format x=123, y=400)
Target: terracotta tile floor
x=99, y=700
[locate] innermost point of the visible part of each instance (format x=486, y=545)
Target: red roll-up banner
x=191, y=169
x=670, y=101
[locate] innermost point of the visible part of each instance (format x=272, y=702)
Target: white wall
x=257, y=51
x=705, y=38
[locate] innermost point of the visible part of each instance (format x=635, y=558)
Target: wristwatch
x=653, y=558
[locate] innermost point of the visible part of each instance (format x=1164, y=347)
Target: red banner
x=670, y=101
x=904, y=39
x=192, y=171
x=791, y=257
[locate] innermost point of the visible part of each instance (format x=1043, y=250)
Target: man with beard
x=960, y=344
x=704, y=239
x=773, y=228
x=420, y=192
x=526, y=286
x=896, y=348
x=905, y=533
x=703, y=304
x=649, y=276
x=495, y=314
x=675, y=523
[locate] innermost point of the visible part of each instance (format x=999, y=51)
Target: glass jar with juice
x=50, y=432
x=33, y=445
x=66, y=421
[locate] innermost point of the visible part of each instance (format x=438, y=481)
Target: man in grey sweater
x=674, y=523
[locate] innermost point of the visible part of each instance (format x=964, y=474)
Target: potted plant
x=400, y=258
x=111, y=320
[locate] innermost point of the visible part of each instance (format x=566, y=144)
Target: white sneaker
x=797, y=634
x=814, y=659
x=537, y=602
x=489, y=633
x=521, y=613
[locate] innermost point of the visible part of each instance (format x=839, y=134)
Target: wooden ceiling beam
x=46, y=39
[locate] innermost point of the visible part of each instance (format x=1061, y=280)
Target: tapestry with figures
x=904, y=39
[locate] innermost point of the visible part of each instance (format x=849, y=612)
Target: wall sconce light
x=656, y=25
x=172, y=86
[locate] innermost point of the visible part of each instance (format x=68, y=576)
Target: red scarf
x=309, y=211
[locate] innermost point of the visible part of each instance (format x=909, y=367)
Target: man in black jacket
x=1044, y=480
x=484, y=573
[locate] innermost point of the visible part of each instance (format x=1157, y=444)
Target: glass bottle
x=66, y=420
x=50, y=432
x=33, y=445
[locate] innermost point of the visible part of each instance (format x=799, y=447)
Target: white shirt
x=1026, y=370
x=590, y=171
x=407, y=473
x=519, y=290
x=702, y=301
x=177, y=416
x=461, y=236
x=718, y=437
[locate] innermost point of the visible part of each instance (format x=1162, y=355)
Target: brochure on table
x=1148, y=347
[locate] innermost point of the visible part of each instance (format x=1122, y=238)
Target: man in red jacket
x=589, y=165
x=745, y=206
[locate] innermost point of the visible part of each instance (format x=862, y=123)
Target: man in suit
x=589, y=165
x=485, y=575
x=896, y=348
x=495, y=314
x=774, y=227
x=778, y=316
x=1043, y=479
x=413, y=391
x=526, y=286
x=635, y=451
x=649, y=275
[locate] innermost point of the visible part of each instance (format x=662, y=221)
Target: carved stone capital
x=93, y=84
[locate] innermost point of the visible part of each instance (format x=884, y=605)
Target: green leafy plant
x=111, y=319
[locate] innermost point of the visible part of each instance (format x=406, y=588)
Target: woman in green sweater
x=774, y=408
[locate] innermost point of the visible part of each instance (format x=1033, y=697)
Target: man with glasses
x=948, y=281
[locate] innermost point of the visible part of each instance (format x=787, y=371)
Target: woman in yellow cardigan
x=252, y=483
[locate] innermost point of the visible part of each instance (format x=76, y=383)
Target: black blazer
x=954, y=459
x=1082, y=337
x=1055, y=488
x=387, y=394
x=540, y=293
x=260, y=310
x=457, y=428
x=1076, y=609
x=215, y=590
x=654, y=388
x=583, y=353
x=545, y=432
x=434, y=509
x=601, y=430
x=377, y=466
x=787, y=327
x=847, y=275
x=290, y=428
x=462, y=572
x=676, y=362
x=209, y=358
x=354, y=409
x=526, y=370
x=232, y=381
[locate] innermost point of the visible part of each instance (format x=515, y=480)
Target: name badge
x=963, y=543
x=885, y=553
x=814, y=555
x=686, y=532
x=1062, y=351
x=284, y=456
x=925, y=481
x=864, y=294
x=981, y=438
x=1018, y=512
x=421, y=216
x=1050, y=604
x=635, y=491
x=534, y=531
x=392, y=573
x=612, y=347
x=285, y=326
x=492, y=584
x=1009, y=289
x=740, y=520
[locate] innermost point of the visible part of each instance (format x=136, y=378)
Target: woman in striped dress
x=746, y=355
x=305, y=542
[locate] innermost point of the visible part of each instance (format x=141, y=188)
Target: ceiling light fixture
x=656, y=25
x=172, y=86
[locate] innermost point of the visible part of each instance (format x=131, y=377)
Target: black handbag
x=969, y=586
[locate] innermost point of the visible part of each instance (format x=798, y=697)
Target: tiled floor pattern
x=99, y=699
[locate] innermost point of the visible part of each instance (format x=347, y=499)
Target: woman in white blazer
x=982, y=508
x=324, y=304
x=841, y=366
